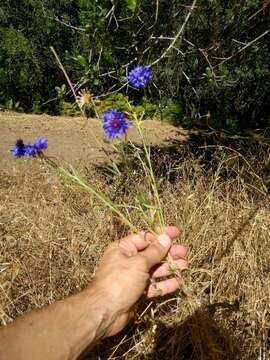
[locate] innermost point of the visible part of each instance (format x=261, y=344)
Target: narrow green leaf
x=131, y=4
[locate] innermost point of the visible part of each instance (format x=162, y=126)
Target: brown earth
x=73, y=141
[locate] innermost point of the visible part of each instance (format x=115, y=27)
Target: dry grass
x=52, y=237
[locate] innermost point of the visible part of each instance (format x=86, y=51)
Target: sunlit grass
x=52, y=238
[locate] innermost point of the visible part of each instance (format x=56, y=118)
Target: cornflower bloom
x=18, y=149
x=140, y=76
x=114, y=123
x=41, y=144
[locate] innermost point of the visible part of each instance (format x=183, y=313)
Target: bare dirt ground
x=71, y=140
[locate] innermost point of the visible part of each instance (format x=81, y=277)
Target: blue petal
x=41, y=144
x=140, y=76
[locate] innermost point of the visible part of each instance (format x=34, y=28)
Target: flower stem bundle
x=116, y=125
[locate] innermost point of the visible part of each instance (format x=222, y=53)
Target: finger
x=178, y=251
x=167, y=269
x=172, y=231
x=163, y=287
x=138, y=242
x=156, y=251
x=135, y=242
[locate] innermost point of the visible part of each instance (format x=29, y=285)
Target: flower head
x=41, y=144
x=18, y=149
x=140, y=76
x=30, y=150
x=85, y=98
x=114, y=123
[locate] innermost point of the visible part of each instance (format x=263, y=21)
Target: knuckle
x=130, y=248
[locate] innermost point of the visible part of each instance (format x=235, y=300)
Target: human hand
x=129, y=269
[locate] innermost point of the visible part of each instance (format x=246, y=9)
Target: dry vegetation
x=52, y=238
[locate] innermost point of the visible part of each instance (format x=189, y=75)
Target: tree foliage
x=216, y=73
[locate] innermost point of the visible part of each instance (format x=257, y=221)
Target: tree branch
x=56, y=18
x=177, y=35
x=243, y=48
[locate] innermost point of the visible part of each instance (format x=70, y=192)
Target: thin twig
x=65, y=73
x=77, y=102
x=209, y=63
x=177, y=35
x=188, y=80
x=112, y=92
x=99, y=57
x=243, y=48
x=56, y=18
x=156, y=15
x=259, y=11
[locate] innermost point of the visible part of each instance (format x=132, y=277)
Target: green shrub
x=215, y=74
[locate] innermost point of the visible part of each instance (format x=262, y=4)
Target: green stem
x=150, y=172
x=90, y=189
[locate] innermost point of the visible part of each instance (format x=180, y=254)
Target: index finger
x=172, y=231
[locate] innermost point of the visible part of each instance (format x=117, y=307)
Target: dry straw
x=53, y=237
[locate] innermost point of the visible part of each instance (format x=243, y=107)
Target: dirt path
x=71, y=140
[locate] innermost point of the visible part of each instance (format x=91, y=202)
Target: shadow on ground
x=173, y=160
x=199, y=337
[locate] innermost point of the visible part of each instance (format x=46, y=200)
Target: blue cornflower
x=30, y=150
x=114, y=123
x=41, y=144
x=140, y=76
x=18, y=149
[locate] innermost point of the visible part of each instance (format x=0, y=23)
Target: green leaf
x=82, y=61
x=131, y=4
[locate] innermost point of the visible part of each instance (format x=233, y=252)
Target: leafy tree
x=215, y=73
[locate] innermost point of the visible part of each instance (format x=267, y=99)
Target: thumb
x=156, y=251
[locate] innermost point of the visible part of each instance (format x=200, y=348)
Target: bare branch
x=99, y=57
x=64, y=72
x=178, y=51
x=259, y=11
x=156, y=15
x=112, y=92
x=161, y=37
x=177, y=35
x=56, y=18
x=188, y=80
x=108, y=73
x=209, y=63
x=76, y=99
x=111, y=16
x=243, y=48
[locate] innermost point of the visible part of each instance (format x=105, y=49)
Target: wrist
x=88, y=312
x=99, y=307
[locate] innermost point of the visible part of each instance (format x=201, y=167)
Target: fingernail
x=164, y=240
